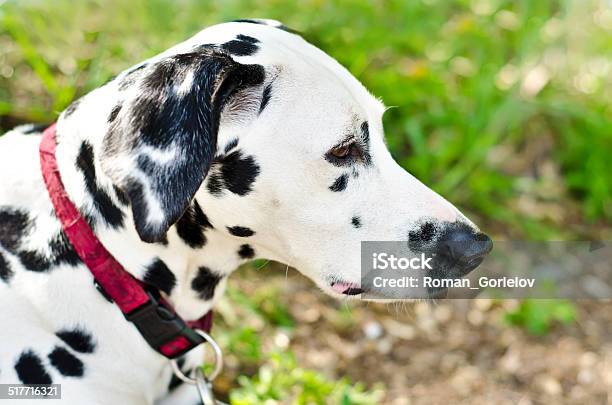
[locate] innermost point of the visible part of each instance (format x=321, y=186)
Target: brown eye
x=341, y=151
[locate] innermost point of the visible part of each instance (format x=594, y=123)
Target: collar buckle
x=162, y=328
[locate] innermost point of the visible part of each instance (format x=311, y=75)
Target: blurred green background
x=504, y=107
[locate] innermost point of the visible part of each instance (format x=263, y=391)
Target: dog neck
x=190, y=266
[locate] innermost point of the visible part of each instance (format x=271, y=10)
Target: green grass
x=539, y=316
x=281, y=379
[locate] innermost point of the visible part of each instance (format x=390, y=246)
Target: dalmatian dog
x=242, y=142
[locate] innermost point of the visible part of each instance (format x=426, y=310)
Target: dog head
x=281, y=147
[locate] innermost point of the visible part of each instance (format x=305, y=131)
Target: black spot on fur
x=114, y=112
x=160, y=276
x=90, y=219
x=205, y=283
x=190, y=227
x=235, y=172
x=102, y=201
x=247, y=38
x=340, y=183
x=5, y=269
x=66, y=363
x=246, y=252
x=365, y=141
x=163, y=240
x=241, y=231
x=356, y=221
x=246, y=20
x=265, y=98
x=34, y=261
x=239, y=172
x=13, y=225
x=78, y=340
x=424, y=234
x=174, y=380
x=123, y=199
x=61, y=252
x=30, y=369
x=231, y=145
x=428, y=231
x=130, y=77
x=365, y=132
x=288, y=29
x=280, y=27
x=424, y=237
x=243, y=45
x=215, y=184
x=72, y=108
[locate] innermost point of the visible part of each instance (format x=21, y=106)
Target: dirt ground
x=449, y=352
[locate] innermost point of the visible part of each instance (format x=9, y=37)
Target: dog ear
x=163, y=137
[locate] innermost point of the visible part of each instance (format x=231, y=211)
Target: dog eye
x=344, y=154
x=342, y=151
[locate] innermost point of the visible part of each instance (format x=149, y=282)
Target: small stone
x=475, y=317
x=452, y=361
x=510, y=362
x=483, y=304
x=281, y=340
x=309, y=315
x=510, y=305
x=373, y=330
x=422, y=309
x=399, y=330
x=384, y=346
x=577, y=393
x=443, y=313
x=549, y=385
x=588, y=359
x=585, y=377
x=466, y=380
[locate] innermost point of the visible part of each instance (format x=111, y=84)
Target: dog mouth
x=346, y=288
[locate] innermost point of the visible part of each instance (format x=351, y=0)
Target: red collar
x=141, y=304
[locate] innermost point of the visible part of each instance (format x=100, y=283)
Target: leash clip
x=203, y=383
x=205, y=389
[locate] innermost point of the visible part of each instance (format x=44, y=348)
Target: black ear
x=163, y=136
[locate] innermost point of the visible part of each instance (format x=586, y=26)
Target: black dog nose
x=465, y=248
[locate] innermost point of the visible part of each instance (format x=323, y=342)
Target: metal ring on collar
x=218, y=362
